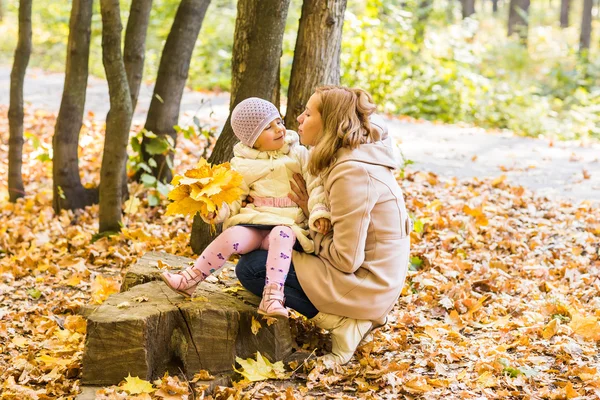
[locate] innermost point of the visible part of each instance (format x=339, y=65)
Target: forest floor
x=501, y=300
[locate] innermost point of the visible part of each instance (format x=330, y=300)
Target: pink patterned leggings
x=279, y=241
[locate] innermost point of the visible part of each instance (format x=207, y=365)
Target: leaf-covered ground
x=501, y=300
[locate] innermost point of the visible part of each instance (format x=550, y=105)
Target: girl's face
x=310, y=121
x=272, y=137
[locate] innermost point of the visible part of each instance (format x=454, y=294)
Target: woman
x=357, y=272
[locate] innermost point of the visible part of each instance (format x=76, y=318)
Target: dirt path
x=559, y=169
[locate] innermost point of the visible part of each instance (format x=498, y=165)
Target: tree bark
x=68, y=192
x=118, y=120
x=468, y=8
x=586, y=26
x=494, y=6
x=257, y=46
x=135, y=45
x=518, y=16
x=163, y=114
x=15, y=110
x=317, y=53
x=565, y=7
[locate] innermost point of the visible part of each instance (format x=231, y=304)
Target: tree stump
x=148, y=329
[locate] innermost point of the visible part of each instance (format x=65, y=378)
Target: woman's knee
x=252, y=265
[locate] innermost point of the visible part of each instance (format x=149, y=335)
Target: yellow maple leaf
x=102, y=288
x=135, y=385
x=255, y=326
x=261, y=369
x=551, y=329
x=131, y=205
x=204, y=189
x=587, y=327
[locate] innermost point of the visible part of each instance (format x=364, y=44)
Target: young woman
x=356, y=274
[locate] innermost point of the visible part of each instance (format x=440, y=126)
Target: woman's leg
x=237, y=239
x=251, y=270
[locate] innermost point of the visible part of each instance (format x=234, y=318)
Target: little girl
x=267, y=158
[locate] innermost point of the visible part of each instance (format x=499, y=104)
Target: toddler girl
x=267, y=158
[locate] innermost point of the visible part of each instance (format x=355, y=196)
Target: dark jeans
x=251, y=270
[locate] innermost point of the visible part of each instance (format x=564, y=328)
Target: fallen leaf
x=135, y=385
x=261, y=369
x=255, y=326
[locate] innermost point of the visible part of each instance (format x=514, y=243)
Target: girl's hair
x=345, y=113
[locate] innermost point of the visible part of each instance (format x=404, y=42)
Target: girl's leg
x=279, y=243
x=251, y=271
x=237, y=239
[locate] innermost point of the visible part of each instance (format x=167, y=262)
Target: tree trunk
x=423, y=12
x=118, y=120
x=317, y=54
x=68, y=192
x=565, y=7
x=1, y=10
x=135, y=45
x=15, y=110
x=163, y=114
x=468, y=8
x=518, y=19
x=494, y=6
x=257, y=46
x=586, y=26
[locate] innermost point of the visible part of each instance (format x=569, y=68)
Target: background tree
x=317, y=53
x=118, y=120
x=68, y=192
x=1, y=10
x=468, y=8
x=135, y=45
x=257, y=45
x=518, y=19
x=565, y=7
x=163, y=113
x=15, y=110
x=586, y=26
x=494, y=6
x=423, y=11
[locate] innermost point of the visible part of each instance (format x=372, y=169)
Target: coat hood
x=378, y=153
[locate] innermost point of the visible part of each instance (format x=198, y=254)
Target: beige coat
x=268, y=174
x=358, y=270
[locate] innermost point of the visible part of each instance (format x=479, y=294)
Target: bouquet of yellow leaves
x=204, y=189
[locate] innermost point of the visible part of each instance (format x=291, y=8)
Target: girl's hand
x=300, y=194
x=248, y=200
x=323, y=225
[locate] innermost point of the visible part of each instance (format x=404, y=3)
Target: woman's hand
x=323, y=225
x=300, y=194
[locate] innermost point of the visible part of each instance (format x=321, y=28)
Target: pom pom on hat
x=250, y=117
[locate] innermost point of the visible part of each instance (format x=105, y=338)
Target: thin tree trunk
x=423, y=12
x=135, y=45
x=518, y=19
x=163, y=114
x=15, y=110
x=565, y=7
x=468, y=8
x=68, y=192
x=257, y=46
x=1, y=10
x=317, y=54
x=494, y=6
x=586, y=26
x=118, y=120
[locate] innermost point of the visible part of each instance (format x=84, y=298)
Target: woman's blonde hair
x=345, y=113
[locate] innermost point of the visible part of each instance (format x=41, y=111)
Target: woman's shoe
x=272, y=301
x=184, y=282
x=346, y=334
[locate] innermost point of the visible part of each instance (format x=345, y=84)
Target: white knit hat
x=250, y=117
